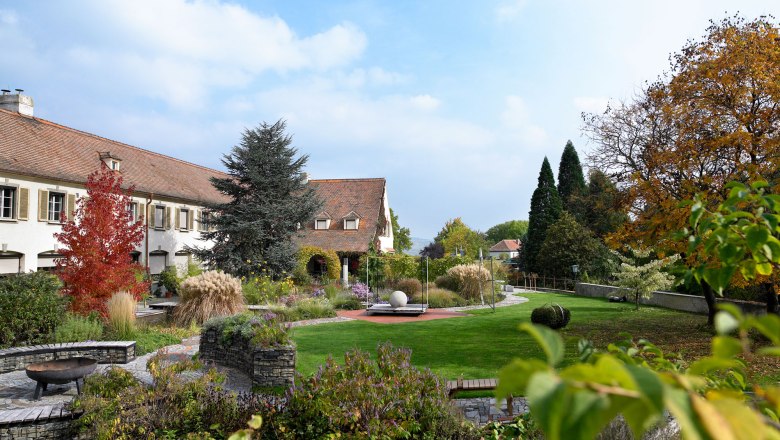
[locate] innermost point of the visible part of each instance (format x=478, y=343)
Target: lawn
x=479, y=345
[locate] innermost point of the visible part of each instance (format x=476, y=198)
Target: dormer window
x=351, y=221
x=322, y=221
x=111, y=160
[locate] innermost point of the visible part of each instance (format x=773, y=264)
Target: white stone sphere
x=397, y=299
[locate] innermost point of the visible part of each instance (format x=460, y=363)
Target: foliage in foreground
x=208, y=295
x=264, y=330
x=31, y=308
x=117, y=406
x=363, y=399
x=639, y=381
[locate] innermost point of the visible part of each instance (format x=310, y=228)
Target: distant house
x=43, y=168
x=355, y=214
x=509, y=248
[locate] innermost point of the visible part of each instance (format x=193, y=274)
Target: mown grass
x=479, y=345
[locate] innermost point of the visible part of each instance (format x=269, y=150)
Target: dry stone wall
x=268, y=367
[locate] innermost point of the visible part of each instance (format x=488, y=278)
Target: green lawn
x=479, y=345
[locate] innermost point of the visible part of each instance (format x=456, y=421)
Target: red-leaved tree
x=97, y=243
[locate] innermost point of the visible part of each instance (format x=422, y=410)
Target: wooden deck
x=408, y=310
x=454, y=386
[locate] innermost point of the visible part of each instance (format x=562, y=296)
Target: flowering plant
x=361, y=291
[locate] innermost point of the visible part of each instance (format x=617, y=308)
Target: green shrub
x=363, y=399
x=400, y=266
x=522, y=427
x=207, y=295
x=116, y=406
x=409, y=286
x=439, y=266
x=440, y=298
x=169, y=279
x=266, y=330
x=77, y=328
x=447, y=282
x=314, y=308
x=554, y=316
x=346, y=301
x=264, y=290
x=31, y=308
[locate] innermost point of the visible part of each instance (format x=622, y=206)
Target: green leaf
x=725, y=347
x=764, y=268
x=725, y=323
x=513, y=377
x=769, y=326
x=769, y=351
x=679, y=404
x=704, y=366
x=549, y=340
x=255, y=422
x=756, y=236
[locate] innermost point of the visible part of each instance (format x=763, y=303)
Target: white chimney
x=17, y=102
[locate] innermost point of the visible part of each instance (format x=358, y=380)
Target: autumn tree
x=402, y=241
x=509, y=230
x=457, y=237
x=267, y=200
x=571, y=181
x=713, y=119
x=545, y=210
x=600, y=208
x=96, y=245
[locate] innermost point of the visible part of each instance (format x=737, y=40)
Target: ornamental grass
x=208, y=295
x=120, y=317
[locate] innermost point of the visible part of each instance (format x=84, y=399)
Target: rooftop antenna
x=5, y=91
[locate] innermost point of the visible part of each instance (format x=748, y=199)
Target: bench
x=454, y=386
x=106, y=352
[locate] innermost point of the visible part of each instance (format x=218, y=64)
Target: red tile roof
x=506, y=246
x=36, y=147
x=341, y=197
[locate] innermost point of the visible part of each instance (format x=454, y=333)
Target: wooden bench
x=454, y=386
x=106, y=352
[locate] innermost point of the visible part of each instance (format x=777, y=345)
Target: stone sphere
x=397, y=299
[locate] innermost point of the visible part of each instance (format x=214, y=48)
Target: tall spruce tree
x=571, y=181
x=253, y=231
x=545, y=210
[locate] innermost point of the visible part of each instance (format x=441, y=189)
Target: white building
x=43, y=168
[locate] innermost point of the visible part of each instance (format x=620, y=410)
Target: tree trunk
x=709, y=296
x=636, y=296
x=772, y=305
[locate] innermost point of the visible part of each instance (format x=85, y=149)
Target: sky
x=455, y=103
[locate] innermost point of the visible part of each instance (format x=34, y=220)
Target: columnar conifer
x=545, y=210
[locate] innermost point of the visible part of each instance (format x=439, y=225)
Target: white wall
x=386, y=241
x=31, y=237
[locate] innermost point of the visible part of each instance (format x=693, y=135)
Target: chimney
x=17, y=102
x=305, y=178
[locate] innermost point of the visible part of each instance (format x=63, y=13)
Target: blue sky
x=455, y=103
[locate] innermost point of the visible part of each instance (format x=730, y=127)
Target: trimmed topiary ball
x=554, y=316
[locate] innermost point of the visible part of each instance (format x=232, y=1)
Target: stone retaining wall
x=267, y=367
x=106, y=352
x=44, y=422
x=669, y=300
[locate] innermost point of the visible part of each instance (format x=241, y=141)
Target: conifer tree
x=571, y=181
x=545, y=210
x=268, y=198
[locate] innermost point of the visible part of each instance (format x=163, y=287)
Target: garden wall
x=669, y=300
x=40, y=423
x=106, y=352
x=268, y=367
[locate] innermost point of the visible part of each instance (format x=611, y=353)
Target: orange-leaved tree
x=96, y=260
x=713, y=119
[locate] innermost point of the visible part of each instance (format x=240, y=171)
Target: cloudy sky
x=455, y=103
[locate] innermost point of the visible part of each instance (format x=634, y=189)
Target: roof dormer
x=322, y=220
x=112, y=161
x=351, y=221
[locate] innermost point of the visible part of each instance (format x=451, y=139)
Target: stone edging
x=106, y=352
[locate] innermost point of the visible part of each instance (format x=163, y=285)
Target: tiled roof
x=39, y=148
x=505, y=246
x=341, y=197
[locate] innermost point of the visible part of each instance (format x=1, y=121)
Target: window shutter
x=167, y=217
x=200, y=220
x=191, y=218
x=24, y=204
x=141, y=211
x=150, y=215
x=43, y=205
x=71, y=212
x=177, y=219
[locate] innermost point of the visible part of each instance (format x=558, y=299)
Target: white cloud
x=8, y=17
x=517, y=120
x=425, y=102
x=591, y=104
x=510, y=10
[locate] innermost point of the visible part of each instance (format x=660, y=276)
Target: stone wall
x=106, y=352
x=44, y=422
x=669, y=300
x=267, y=367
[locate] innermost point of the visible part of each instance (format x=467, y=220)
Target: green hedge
x=31, y=308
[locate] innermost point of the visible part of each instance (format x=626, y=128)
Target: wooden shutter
x=150, y=215
x=43, y=205
x=200, y=219
x=24, y=204
x=141, y=211
x=191, y=218
x=177, y=219
x=71, y=212
x=167, y=217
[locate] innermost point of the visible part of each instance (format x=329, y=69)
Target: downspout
x=146, y=237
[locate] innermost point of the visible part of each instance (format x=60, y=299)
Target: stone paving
x=16, y=389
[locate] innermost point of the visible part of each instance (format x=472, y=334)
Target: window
x=132, y=208
x=7, y=202
x=114, y=165
x=184, y=219
x=159, y=217
x=203, y=222
x=350, y=223
x=321, y=224
x=56, y=206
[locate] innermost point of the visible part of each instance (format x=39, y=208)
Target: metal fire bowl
x=61, y=371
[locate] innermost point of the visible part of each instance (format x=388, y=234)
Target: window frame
x=184, y=217
x=317, y=224
x=55, y=216
x=133, y=208
x=354, y=221
x=14, y=202
x=161, y=224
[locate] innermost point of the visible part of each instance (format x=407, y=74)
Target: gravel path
x=510, y=300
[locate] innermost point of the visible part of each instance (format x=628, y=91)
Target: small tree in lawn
x=643, y=279
x=97, y=242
